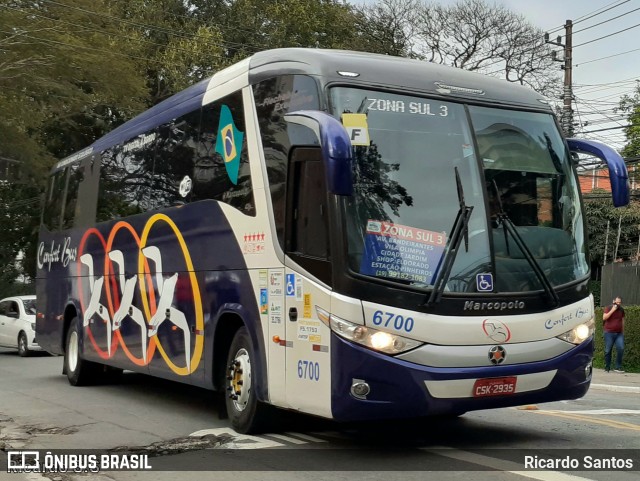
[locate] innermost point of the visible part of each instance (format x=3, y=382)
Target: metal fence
x=621, y=279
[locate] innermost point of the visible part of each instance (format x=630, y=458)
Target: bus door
x=308, y=367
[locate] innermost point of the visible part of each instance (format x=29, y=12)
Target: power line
x=166, y=31
x=604, y=58
x=93, y=29
x=55, y=42
x=609, y=83
x=595, y=13
x=611, y=128
x=606, y=21
x=606, y=36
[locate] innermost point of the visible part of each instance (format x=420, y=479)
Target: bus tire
x=79, y=372
x=246, y=413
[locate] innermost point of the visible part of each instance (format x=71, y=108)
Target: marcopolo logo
x=495, y=306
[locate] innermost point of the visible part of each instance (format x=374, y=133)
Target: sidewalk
x=613, y=381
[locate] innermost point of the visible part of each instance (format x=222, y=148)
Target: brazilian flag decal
x=229, y=143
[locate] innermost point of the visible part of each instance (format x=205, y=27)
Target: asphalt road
x=180, y=429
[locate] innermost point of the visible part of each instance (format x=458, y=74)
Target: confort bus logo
x=157, y=300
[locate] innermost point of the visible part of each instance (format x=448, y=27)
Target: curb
x=614, y=388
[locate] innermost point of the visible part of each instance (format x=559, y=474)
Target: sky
x=598, y=82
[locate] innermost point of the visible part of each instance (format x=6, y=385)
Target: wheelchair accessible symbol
x=484, y=282
x=291, y=285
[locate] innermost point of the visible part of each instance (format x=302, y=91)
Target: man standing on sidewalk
x=613, y=334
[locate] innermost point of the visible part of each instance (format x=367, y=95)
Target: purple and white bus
x=347, y=235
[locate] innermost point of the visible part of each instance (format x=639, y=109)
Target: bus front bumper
x=401, y=389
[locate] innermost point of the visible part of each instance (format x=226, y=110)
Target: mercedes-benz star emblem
x=497, y=355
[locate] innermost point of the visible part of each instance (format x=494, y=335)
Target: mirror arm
x=618, y=175
x=335, y=145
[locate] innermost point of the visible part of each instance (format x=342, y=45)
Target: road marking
x=312, y=439
x=601, y=412
x=288, y=439
x=578, y=417
x=239, y=441
x=610, y=387
x=502, y=465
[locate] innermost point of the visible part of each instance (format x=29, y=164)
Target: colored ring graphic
x=96, y=232
x=108, y=269
x=197, y=302
x=148, y=294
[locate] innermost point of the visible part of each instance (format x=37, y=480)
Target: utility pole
x=567, y=111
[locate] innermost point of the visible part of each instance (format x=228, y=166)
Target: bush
x=594, y=287
x=631, y=360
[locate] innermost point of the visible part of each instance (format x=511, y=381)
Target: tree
x=58, y=103
x=630, y=106
x=19, y=205
x=249, y=26
x=176, y=49
x=389, y=27
x=470, y=34
x=600, y=212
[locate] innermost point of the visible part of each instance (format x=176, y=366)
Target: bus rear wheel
x=79, y=372
x=246, y=413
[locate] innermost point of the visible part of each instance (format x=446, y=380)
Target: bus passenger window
x=54, y=200
x=274, y=98
x=76, y=175
x=175, y=156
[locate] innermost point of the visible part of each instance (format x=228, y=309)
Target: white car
x=18, y=324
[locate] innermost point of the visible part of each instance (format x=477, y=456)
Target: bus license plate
x=497, y=386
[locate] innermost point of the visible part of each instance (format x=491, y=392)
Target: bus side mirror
x=335, y=145
x=618, y=175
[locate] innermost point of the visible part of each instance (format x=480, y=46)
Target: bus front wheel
x=246, y=414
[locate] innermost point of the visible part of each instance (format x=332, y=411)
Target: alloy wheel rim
x=240, y=380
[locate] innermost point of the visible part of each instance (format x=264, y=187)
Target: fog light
x=360, y=389
x=588, y=369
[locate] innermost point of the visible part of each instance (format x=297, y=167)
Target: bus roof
x=374, y=71
x=398, y=73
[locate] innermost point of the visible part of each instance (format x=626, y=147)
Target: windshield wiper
x=459, y=230
x=510, y=227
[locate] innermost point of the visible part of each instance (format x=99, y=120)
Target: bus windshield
x=406, y=152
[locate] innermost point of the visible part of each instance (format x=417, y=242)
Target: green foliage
x=595, y=288
x=631, y=360
x=599, y=211
x=630, y=106
x=20, y=204
x=72, y=71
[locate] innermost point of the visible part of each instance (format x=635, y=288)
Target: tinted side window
x=88, y=192
x=274, y=98
x=54, y=200
x=3, y=308
x=174, y=159
x=125, y=178
x=73, y=180
x=221, y=171
x=117, y=196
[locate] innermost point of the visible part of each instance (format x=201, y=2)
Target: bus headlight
x=580, y=333
x=367, y=336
